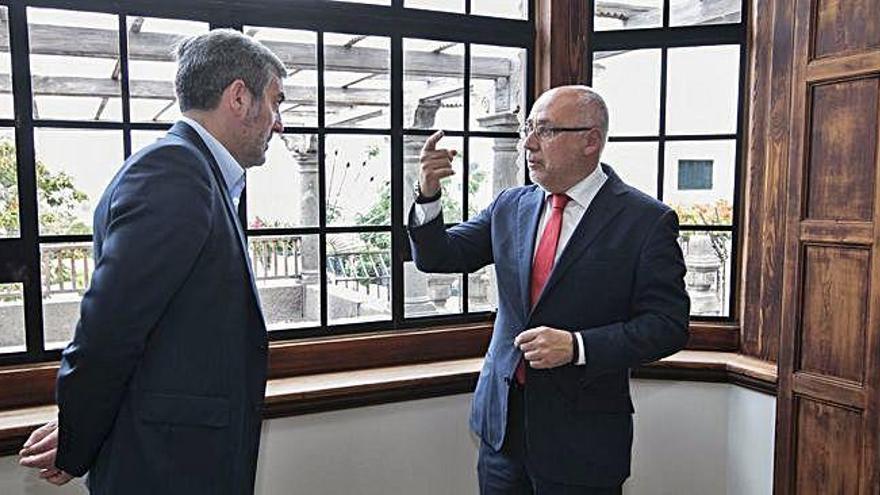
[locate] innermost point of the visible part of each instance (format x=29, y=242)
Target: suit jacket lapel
x=602, y=210
x=186, y=132
x=528, y=215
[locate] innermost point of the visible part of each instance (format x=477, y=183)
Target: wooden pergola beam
x=164, y=90
x=104, y=43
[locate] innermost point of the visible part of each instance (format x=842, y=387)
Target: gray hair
x=593, y=104
x=208, y=63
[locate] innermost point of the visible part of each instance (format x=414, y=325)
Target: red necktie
x=545, y=257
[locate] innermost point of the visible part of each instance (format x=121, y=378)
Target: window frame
x=22, y=256
x=668, y=37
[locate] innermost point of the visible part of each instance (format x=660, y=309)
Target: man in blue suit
x=161, y=389
x=590, y=284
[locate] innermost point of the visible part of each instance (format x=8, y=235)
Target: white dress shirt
x=581, y=194
x=233, y=173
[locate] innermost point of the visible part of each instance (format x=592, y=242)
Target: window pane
x=286, y=272
x=142, y=139
x=70, y=184
x=299, y=52
x=430, y=294
x=451, y=186
x=707, y=256
x=495, y=164
x=66, y=271
x=356, y=78
x=358, y=277
x=433, y=84
x=283, y=192
x=629, y=82
x=690, y=12
x=9, y=223
x=12, y=318
x=635, y=163
x=482, y=290
x=497, y=86
x=511, y=9
x=440, y=5
x=6, y=109
x=151, y=65
x=358, y=180
x=74, y=80
x=627, y=14
x=701, y=206
x=702, y=90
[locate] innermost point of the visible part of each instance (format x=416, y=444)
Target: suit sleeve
x=660, y=306
x=466, y=247
x=158, y=222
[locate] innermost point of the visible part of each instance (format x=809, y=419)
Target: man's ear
x=594, y=142
x=237, y=97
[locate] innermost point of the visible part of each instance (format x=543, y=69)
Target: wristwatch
x=419, y=198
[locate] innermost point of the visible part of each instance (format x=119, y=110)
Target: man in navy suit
x=161, y=389
x=590, y=284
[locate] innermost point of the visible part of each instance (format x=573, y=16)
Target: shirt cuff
x=425, y=212
x=582, y=356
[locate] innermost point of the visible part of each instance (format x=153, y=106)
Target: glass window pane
x=356, y=78
x=495, y=164
x=358, y=180
x=627, y=14
x=9, y=223
x=66, y=271
x=497, y=87
x=629, y=82
x=151, y=65
x=358, y=277
x=510, y=9
x=451, y=186
x=283, y=192
x=701, y=206
x=707, y=257
x=702, y=90
x=635, y=163
x=6, y=105
x=691, y=12
x=433, y=84
x=69, y=185
x=430, y=294
x=439, y=5
x=74, y=80
x=482, y=290
x=142, y=139
x=12, y=335
x=285, y=269
x=299, y=52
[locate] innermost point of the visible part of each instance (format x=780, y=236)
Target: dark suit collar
x=605, y=206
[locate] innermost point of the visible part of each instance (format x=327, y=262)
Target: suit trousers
x=506, y=472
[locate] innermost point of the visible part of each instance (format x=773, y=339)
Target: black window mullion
x=125, y=88
x=19, y=45
x=738, y=168
x=465, y=158
x=398, y=235
x=322, y=193
x=661, y=145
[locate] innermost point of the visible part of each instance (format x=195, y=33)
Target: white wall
x=691, y=439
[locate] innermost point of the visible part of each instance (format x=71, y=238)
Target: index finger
x=431, y=143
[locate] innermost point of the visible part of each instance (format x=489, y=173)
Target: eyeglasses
x=545, y=132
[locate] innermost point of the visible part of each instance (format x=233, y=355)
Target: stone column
x=506, y=166
x=306, y=156
x=416, y=300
